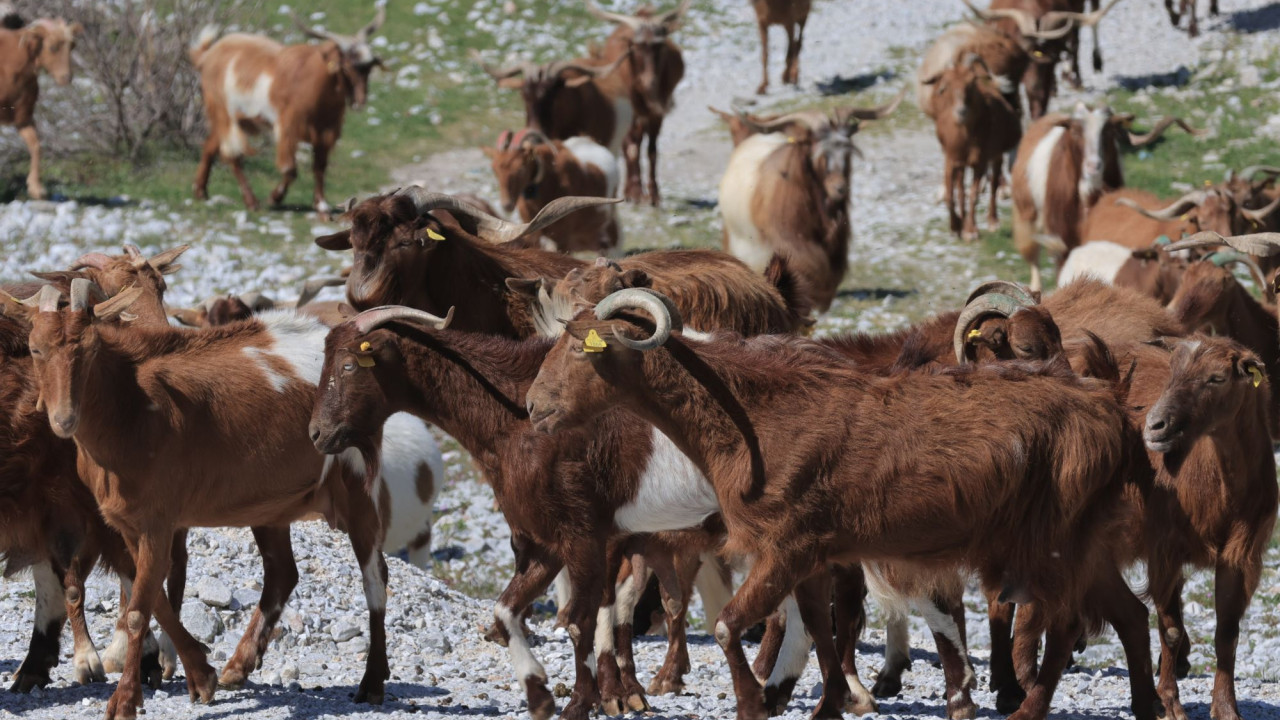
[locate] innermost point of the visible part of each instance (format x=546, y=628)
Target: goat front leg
x=42, y=653
x=287, y=166
x=1165, y=586
x=1004, y=680
x=897, y=655
x=279, y=578
x=1230, y=598
x=32, y=139
x=653, y=126
x=175, y=588
x=993, y=217
x=613, y=692
x=848, y=597
x=813, y=598
x=676, y=573
x=767, y=585
x=585, y=563
x=534, y=569
x=631, y=155
x=632, y=582
x=970, y=232
x=945, y=616
x=764, y=57
x=319, y=164
x=366, y=533
x=1061, y=637
x=87, y=662
x=1128, y=615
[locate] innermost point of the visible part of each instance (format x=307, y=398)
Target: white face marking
x=522, y=659
x=1092, y=163
x=673, y=494
x=793, y=656
x=737, y=197
x=1038, y=171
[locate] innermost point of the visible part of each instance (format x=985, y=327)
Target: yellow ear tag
x=333, y=67
x=1038, y=54
x=365, y=361
x=1257, y=376
x=594, y=343
x=434, y=235
x=1184, y=217
x=974, y=334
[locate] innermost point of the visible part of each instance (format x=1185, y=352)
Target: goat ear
x=336, y=241
x=636, y=279
x=32, y=40
x=61, y=279
x=187, y=316
x=346, y=311
x=526, y=287
x=932, y=79
x=12, y=307
x=164, y=262
x=1251, y=369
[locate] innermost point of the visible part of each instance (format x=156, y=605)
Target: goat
x=1148, y=270
x=1215, y=208
x=1065, y=163
x=976, y=126
x=532, y=171
x=298, y=92
x=791, y=15
x=793, y=520
x=45, y=44
x=786, y=192
x=382, y=361
x=1214, y=497
x=136, y=390
x=567, y=98
x=655, y=66
x=1188, y=8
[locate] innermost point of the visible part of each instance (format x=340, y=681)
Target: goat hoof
x=764, y=87
x=541, y=705
x=777, y=697
x=887, y=686
x=119, y=709
x=370, y=693
x=1009, y=698
x=962, y=710
x=25, y=682
x=611, y=706
x=860, y=706
x=637, y=703
x=578, y=709
x=90, y=671
x=1223, y=710
x=155, y=677
x=664, y=686
x=232, y=678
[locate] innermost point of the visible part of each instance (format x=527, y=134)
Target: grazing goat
x=738, y=416
x=226, y=403
x=44, y=44
x=1214, y=498
x=567, y=98
x=1065, y=163
x=532, y=171
x=791, y=15
x=298, y=92
x=655, y=66
x=976, y=126
x=786, y=192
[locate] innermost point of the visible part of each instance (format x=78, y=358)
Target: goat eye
x=1216, y=379
x=36, y=352
x=348, y=367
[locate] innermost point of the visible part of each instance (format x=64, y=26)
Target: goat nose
x=1157, y=423
x=315, y=434
x=529, y=407
x=66, y=422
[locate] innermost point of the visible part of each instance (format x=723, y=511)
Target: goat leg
x=653, y=126
x=792, y=657
x=897, y=656
x=631, y=154
x=775, y=630
x=676, y=572
x=1060, y=638
x=534, y=570
x=1004, y=681
x=32, y=139
x=279, y=578
x=766, y=586
x=945, y=616
x=586, y=606
x=848, y=595
x=764, y=56
x=175, y=588
x=366, y=539
x=200, y=188
x=42, y=654
x=632, y=584
x=1231, y=595
x=1165, y=581
x=813, y=596
x=86, y=661
x=1128, y=615
x=608, y=673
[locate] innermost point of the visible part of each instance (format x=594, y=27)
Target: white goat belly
x=673, y=494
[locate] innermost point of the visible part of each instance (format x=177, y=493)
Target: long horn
x=312, y=287
x=1025, y=22
x=638, y=299
x=809, y=118
x=672, y=18
x=494, y=229
x=523, y=67
x=616, y=18
x=677, y=323
x=1172, y=212
x=1252, y=170
x=85, y=293
x=310, y=31
x=1003, y=287
x=560, y=67
x=872, y=113
x=1158, y=130
x=46, y=300
x=1083, y=20
x=978, y=308
x=379, y=316
x=1261, y=214
x=367, y=30
x=1223, y=258
x=95, y=260
x=1261, y=244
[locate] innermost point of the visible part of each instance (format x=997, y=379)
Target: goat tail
x=794, y=291
x=203, y=41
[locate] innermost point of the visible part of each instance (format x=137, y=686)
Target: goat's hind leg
x=1128, y=615
x=279, y=578
x=848, y=599
x=628, y=594
x=534, y=570
x=676, y=573
x=1060, y=638
x=1231, y=595
x=945, y=615
x=86, y=661
x=42, y=654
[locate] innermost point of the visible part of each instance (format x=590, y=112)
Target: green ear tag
x=594, y=343
x=1257, y=376
x=434, y=235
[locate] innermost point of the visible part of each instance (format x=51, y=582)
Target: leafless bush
x=135, y=87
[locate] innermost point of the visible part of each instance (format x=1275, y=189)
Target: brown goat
x=791, y=15
x=1188, y=8
x=45, y=44
x=96, y=377
x=655, y=66
x=786, y=192
x=976, y=126
x=298, y=92
x=532, y=171
x=1065, y=163
x=789, y=454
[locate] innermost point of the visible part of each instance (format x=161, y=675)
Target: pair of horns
x=494, y=229
x=668, y=20
x=346, y=41
x=999, y=297
x=85, y=295
x=162, y=262
x=1060, y=23
x=814, y=120
x=555, y=68
x=1194, y=199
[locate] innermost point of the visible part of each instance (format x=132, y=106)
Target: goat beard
x=370, y=453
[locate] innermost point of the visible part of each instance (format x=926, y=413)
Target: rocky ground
x=904, y=266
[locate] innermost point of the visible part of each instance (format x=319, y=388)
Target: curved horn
x=312, y=287
x=638, y=299
x=310, y=31
x=94, y=260
x=1261, y=244
x=84, y=294
x=1252, y=170
x=1025, y=22
x=1261, y=214
x=672, y=18
x=1082, y=20
x=616, y=18
x=1172, y=212
x=523, y=67
x=1223, y=258
x=1003, y=287
x=1158, y=130
x=559, y=67
x=378, y=19
x=677, y=323
x=494, y=229
x=46, y=300
x=978, y=308
x=873, y=113
x=808, y=118
x=374, y=318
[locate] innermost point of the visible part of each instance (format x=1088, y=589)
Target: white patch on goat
x=253, y=104
x=1100, y=259
x=564, y=590
x=673, y=494
x=51, y=609
x=623, y=114
x=375, y=591
x=793, y=656
x=737, y=197
x=590, y=152
x=522, y=659
x=407, y=445
x=944, y=625
x=699, y=335
x=628, y=597
x=298, y=340
x=1038, y=171
x=712, y=587
x=1092, y=164
x=603, y=640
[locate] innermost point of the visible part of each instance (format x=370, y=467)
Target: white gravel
x=440, y=664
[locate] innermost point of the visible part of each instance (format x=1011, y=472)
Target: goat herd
x=1042, y=443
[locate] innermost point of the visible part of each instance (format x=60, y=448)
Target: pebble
x=214, y=593
x=202, y=622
